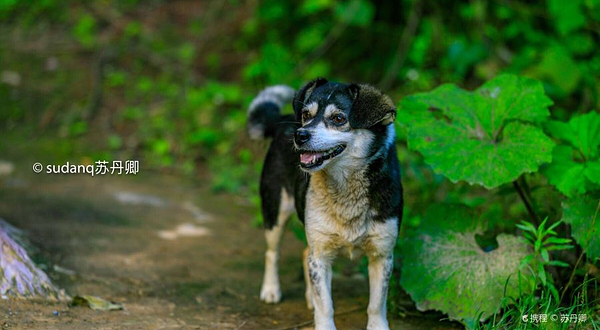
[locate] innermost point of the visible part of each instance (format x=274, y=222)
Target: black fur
x=304, y=93
x=267, y=115
x=280, y=170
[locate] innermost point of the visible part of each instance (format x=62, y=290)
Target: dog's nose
x=302, y=136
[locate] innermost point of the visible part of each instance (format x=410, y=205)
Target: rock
x=6, y=168
x=19, y=276
x=131, y=198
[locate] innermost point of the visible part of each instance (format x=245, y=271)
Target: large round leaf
x=582, y=215
x=445, y=269
x=575, y=166
x=486, y=137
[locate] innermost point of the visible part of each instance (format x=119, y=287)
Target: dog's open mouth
x=312, y=159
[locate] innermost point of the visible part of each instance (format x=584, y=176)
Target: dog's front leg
x=319, y=272
x=380, y=269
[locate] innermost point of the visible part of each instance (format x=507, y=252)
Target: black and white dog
x=334, y=162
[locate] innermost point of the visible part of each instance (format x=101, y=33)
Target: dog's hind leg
x=270, y=291
x=308, y=294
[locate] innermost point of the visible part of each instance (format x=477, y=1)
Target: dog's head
x=339, y=121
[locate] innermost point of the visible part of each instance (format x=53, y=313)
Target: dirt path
x=117, y=238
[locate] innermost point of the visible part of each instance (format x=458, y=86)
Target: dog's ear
x=370, y=107
x=303, y=94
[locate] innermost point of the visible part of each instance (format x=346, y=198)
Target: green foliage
x=575, y=168
x=543, y=240
x=485, y=137
x=518, y=313
x=490, y=137
x=582, y=215
x=567, y=79
x=355, y=12
x=445, y=269
x=85, y=30
x=568, y=15
x=172, y=90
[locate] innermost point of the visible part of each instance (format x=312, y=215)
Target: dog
x=334, y=162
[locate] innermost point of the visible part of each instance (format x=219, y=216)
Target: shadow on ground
x=175, y=255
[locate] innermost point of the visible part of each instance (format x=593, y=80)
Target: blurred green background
x=168, y=82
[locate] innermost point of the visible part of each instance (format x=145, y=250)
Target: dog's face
x=337, y=121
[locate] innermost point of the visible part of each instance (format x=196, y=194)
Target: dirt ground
x=123, y=238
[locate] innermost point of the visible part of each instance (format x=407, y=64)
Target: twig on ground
x=241, y=325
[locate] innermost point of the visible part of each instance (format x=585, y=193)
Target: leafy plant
x=582, y=215
x=543, y=240
x=575, y=168
x=444, y=268
x=485, y=137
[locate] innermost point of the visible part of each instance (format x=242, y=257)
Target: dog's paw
x=270, y=294
x=326, y=325
x=378, y=324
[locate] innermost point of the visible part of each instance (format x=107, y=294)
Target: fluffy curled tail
x=264, y=111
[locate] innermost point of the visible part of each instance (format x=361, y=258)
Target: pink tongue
x=306, y=158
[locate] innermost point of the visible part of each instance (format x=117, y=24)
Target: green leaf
x=576, y=165
x=582, y=132
x=557, y=263
x=557, y=67
x=355, y=12
x=85, y=30
x=545, y=255
x=554, y=291
x=559, y=247
x=537, y=245
x=581, y=214
x=526, y=261
x=484, y=137
x=95, y=303
x=568, y=15
x=310, y=7
x=445, y=269
x=556, y=240
x=542, y=273
x=554, y=225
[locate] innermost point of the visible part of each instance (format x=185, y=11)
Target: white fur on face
x=357, y=142
x=323, y=138
x=312, y=109
x=330, y=110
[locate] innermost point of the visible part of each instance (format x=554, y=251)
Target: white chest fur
x=339, y=218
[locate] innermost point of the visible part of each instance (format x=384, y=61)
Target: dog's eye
x=338, y=119
x=305, y=115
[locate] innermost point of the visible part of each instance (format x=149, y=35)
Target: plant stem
x=532, y=214
x=583, y=248
x=572, y=276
